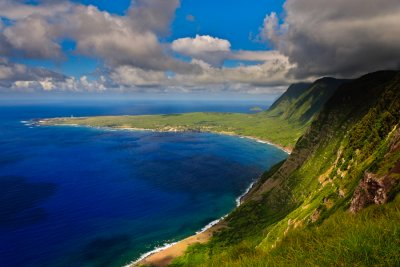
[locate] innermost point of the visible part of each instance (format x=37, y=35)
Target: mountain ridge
x=346, y=161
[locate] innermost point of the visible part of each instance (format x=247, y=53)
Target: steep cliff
x=347, y=160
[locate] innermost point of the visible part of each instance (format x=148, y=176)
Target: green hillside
x=320, y=207
x=302, y=102
x=332, y=202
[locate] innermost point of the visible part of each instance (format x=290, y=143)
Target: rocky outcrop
x=371, y=190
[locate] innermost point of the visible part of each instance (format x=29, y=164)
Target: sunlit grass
x=369, y=238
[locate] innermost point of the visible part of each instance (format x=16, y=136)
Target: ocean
x=80, y=196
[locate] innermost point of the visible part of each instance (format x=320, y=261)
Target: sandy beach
x=164, y=257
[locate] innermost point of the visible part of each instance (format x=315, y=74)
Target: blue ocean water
x=77, y=196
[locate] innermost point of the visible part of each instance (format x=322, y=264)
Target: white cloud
x=10, y=72
x=47, y=84
x=270, y=30
x=130, y=48
x=33, y=37
x=266, y=77
x=200, y=44
x=37, y=31
x=112, y=38
x=20, y=77
x=270, y=73
x=131, y=76
x=207, y=48
x=83, y=84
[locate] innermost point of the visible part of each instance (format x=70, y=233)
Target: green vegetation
x=298, y=213
x=254, y=125
x=302, y=101
x=281, y=129
x=316, y=208
x=369, y=238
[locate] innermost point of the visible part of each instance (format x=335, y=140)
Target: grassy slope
x=297, y=214
x=303, y=101
x=368, y=238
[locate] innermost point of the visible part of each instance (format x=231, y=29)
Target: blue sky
x=236, y=21
x=254, y=47
x=231, y=20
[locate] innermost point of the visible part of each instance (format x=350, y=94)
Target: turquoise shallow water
x=76, y=196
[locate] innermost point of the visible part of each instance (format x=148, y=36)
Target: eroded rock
x=371, y=190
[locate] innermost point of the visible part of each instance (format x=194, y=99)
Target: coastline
x=162, y=256
x=165, y=255
x=175, y=130
x=47, y=122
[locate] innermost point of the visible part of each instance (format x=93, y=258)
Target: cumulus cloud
x=200, y=44
x=339, y=37
x=70, y=84
x=204, y=47
x=311, y=39
x=14, y=75
x=209, y=53
x=112, y=38
x=262, y=78
x=268, y=74
x=118, y=40
x=271, y=30
x=19, y=77
x=11, y=71
x=130, y=48
x=32, y=36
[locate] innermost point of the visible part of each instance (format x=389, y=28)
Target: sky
x=187, y=47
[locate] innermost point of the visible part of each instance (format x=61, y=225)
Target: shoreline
x=257, y=139
x=47, y=122
x=162, y=256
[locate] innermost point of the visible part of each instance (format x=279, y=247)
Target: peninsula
x=282, y=124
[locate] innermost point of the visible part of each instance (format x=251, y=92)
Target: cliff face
x=300, y=104
x=348, y=156
x=348, y=159
x=380, y=188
